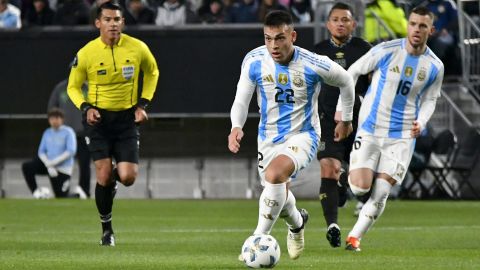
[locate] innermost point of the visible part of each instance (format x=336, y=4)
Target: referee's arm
x=75, y=81
x=150, y=73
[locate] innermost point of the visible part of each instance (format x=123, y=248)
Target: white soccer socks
x=271, y=204
x=372, y=209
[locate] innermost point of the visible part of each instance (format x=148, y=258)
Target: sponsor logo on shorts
x=293, y=148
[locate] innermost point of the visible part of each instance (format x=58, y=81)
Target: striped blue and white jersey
x=287, y=94
x=404, y=88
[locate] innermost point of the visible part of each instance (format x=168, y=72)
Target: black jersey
x=345, y=56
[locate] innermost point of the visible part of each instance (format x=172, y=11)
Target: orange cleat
x=352, y=244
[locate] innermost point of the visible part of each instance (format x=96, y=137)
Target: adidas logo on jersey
x=395, y=69
x=268, y=78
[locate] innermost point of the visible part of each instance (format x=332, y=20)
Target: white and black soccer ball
x=261, y=251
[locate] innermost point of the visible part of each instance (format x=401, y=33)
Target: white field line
x=240, y=230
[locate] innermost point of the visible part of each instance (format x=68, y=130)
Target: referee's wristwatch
x=85, y=107
x=143, y=103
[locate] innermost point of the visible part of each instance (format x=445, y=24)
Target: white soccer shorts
x=382, y=155
x=301, y=148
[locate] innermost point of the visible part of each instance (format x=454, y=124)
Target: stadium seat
x=444, y=149
x=466, y=158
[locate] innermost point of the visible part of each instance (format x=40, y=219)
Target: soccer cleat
x=352, y=244
x=342, y=188
x=108, y=239
x=296, y=240
x=334, y=235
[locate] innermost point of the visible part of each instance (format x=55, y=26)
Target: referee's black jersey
x=345, y=56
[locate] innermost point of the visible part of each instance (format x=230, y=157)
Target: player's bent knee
x=275, y=177
x=357, y=191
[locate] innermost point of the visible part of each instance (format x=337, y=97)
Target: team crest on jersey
x=408, y=71
x=283, y=78
x=127, y=72
x=422, y=74
x=340, y=55
x=297, y=80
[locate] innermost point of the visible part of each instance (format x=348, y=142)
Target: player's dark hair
x=278, y=18
x=423, y=10
x=55, y=112
x=111, y=5
x=342, y=6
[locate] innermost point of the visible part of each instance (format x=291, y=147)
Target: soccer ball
x=42, y=193
x=261, y=251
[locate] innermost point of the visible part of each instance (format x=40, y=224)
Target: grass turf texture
x=208, y=234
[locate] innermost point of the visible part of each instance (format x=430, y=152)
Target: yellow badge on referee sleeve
x=128, y=72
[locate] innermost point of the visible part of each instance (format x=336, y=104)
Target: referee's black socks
x=104, y=201
x=329, y=200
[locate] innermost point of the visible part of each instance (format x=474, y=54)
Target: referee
x=344, y=49
x=112, y=109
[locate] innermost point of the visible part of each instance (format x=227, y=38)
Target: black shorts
x=328, y=147
x=115, y=136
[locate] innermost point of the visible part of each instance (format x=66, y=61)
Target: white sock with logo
x=270, y=205
x=372, y=209
x=290, y=213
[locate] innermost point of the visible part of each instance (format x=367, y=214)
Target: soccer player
x=112, y=108
x=406, y=82
x=286, y=78
x=344, y=49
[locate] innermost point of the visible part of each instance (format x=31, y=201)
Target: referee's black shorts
x=328, y=147
x=115, y=136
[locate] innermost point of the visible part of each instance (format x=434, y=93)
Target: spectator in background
x=211, y=12
x=55, y=158
x=9, y=16
x=138, y=12
x=301, y=11
x=41, y=14
x=393, y=16
x=242, y=11
x=72, y=12
x=73, y=118
x=93, y=10
x=446, y=25
x=174, y=12
x=266, y=6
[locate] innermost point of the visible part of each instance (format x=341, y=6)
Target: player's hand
x=93, y=116
x=234, y=140
x=342, y=130
x=140, y=115
x=416, y=129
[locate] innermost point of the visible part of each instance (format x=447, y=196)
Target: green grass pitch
x=208, y=234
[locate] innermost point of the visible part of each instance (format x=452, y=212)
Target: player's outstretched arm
x=234, y=139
